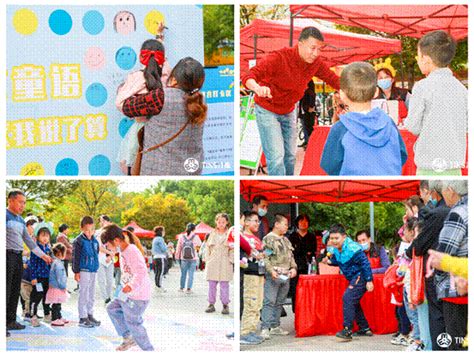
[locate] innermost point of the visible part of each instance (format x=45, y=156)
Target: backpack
x=188, y=252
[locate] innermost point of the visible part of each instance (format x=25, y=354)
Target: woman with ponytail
x=156, y=71
x=126, y=310
x=172, y=142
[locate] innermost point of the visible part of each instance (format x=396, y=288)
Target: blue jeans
x=274, y=296
x=424, y=325
x=412, y=316
x=403, y=321
x=187, y=267
x=351, y=304
x=127, y=320
x=278, y=137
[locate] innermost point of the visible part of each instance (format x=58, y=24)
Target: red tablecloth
x=319, y=306
x=316, y=143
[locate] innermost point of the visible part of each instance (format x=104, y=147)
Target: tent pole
x=371, y=211
x=255, y=46
x=401, y=70
x=291, y=29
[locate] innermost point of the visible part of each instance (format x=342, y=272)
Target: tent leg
x=371, y=211
x=291, y=29
x=401, y=70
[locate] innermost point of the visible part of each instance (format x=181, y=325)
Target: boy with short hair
x=365, y=141
x=280, y=267
x=355, y=266
x=85, y=263
x=438, y=109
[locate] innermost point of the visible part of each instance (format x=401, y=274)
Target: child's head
x=159, y=231
x=64, y=228
x=280, y=226
x=337, y=235
x=435, y=50
x=413, y=205
x=113, y=236
x=152, y=56
x=358, y=83
x=43, y=232
x=222, y=221
x=410, y=226
x=59, y=251
x=251, y=221
x=189, y=76
x=87, y=226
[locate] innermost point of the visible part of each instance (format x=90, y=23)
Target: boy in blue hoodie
x=365, y=141
x=355, y=266
x=85, y=263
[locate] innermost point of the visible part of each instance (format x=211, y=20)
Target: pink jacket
x=135, y=273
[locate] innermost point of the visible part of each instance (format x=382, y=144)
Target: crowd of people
x=112, y=257
x=425, y=273
x=364, y=139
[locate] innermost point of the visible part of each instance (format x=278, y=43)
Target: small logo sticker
x=191, y=165
x=444, y=340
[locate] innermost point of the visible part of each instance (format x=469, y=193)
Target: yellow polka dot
x=152, y=21
x=32, y=169
x=25, y=21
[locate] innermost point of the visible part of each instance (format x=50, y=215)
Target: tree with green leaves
x=218, y=26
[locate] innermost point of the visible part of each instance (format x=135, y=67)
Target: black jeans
x=307, y=121
x=37, y=297
x=455, y=318
x=403, y=321
x=56, y=310
x=159, y=265
x=14, y=272
x=436, y=316
x=66, y=264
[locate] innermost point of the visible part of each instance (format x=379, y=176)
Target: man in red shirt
x=279, y=81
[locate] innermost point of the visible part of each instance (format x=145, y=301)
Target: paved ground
x=175, y=322
x=320, y=343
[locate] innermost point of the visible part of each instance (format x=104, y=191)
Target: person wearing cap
x=40, y=274
x=279, y=81
x=186, y=253
x=63, y=239
x=16, y=235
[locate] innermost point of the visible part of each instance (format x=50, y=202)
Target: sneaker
x=47, y=318
x=15, y=326
x=344, y=335
x=265, y=334
x=27, y=317
x=57, y=323
x=85, y=323
x=210, y=309
x=400, y=340
x=416, y=347
x=181, y=290
x=107, y=300
x=248, y=340
x=278, y=331
x=225, y=309
x=396, y=335
x=255, y=336
x=127, y=343
x=94, y=321
x=363, y=332
x=189, y=291
x=35, y=321
x=65, y=321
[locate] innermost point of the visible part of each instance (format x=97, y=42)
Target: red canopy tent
x=202, y=229
x=139, y=231
x=263, y=36
x=406, y=20
x=300, y=191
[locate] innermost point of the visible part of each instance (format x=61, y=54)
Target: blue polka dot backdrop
x=76, y=59
x=99, y=165
x=124, y=126
x=125, y=58
x=60, y=22
x=96, y=94
x=67, y=167
x=93, y=22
